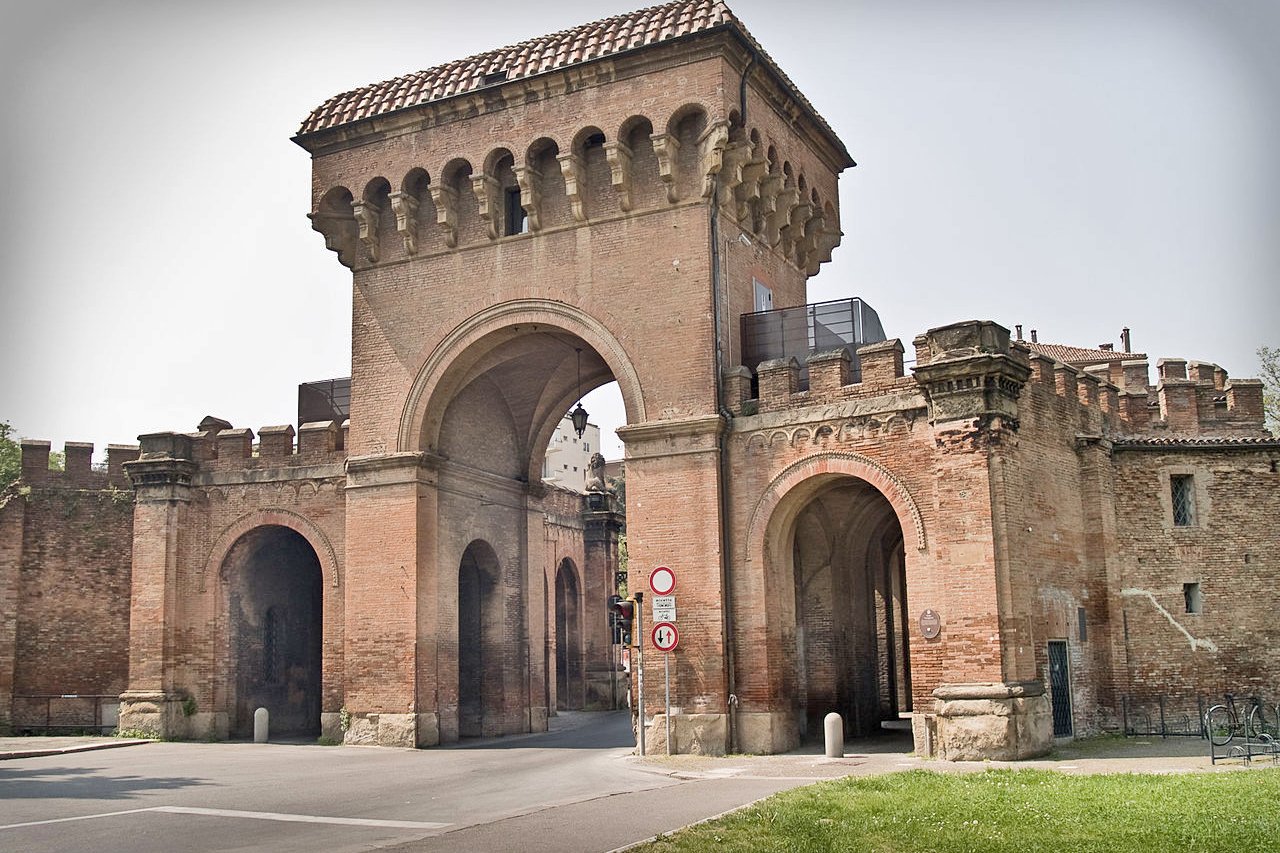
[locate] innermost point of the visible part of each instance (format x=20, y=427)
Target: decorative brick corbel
x=405, y=207
x=488, y=202
x=530, y=182
x=747, y=191
x=784, y=202
x=667, y=149
x=575, y=184
x=807, y=243
x=826, y=239
x=445, y=198
x=793, y=230
x=711, y=146
x=339, y=232
x=618, y=155
x=367, y=214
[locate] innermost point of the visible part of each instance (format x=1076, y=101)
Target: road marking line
x=301, y=818
x=287, y=818
x=67, y=819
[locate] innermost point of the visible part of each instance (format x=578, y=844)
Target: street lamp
x=579, y=414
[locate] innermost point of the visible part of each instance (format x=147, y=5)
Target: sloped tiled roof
x=1195, y=441
x=607, y=37
x=1079, y=355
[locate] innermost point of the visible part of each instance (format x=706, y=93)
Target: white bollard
x=833, y=729
x=261, y=720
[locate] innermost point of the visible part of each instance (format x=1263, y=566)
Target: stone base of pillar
x=154, y=712
x=692, y=734
x=767, y=732
x=403, y=730
x=538, y=719
x=603, y=688
x=996, y=721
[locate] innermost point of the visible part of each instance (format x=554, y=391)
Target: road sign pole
x=640, y=679
x=666, y=666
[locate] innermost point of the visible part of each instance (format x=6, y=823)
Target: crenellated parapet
x=974, y=371
x=78, y=470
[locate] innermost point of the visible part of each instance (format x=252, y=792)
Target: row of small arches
x=549, y=187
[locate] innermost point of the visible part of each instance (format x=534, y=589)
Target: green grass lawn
x=1019, y=811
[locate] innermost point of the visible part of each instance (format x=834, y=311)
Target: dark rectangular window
x=516, y=222
x=1084, y=628
x=1183, y=493
x=1191, y=595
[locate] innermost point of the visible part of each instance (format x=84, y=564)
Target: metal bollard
x=833, y=729
x=261, y=720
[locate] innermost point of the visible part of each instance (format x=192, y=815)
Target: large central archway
x=275, y=602
x=493, y=395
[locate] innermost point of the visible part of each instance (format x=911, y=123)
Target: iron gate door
x=1060, y=688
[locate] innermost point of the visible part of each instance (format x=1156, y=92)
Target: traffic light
x=622, y=612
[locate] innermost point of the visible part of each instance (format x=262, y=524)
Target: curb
x=64, y=750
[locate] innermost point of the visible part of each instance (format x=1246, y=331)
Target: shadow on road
x=35, y=781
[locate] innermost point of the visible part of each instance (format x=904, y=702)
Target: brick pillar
x=673, y=512
x=384, y=572
x=161, y=479
x=978, y=671
x=603, y=523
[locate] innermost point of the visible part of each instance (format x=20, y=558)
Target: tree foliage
x=10, y=456
x=1269, y=357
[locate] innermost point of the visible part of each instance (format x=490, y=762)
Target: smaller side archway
x=570, y=683
x=480, y=632
x=275, y=595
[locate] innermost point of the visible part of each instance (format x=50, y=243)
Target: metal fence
x=1162, y=716
x=66, y=712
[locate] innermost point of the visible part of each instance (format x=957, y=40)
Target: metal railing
x=806, y=329
x=66, y=712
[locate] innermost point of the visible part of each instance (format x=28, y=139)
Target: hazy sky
x=1072, y=166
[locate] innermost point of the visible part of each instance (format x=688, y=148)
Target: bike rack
x=1231, y=738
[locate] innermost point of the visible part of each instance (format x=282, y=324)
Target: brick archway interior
x=275, y=618
x=838, y=563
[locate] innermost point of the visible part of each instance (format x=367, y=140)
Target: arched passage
x=275, y=600
x=569, y=664
x=850, y=604
x=480, y=629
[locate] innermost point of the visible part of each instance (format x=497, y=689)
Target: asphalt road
x=569, y=790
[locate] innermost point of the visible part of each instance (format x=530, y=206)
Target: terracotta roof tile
x=606, y=37
x=1195, y=441
x=1077, y=356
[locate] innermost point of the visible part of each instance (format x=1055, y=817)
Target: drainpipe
x=722, y=470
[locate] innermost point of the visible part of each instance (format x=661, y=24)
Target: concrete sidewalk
x=892, y=752
x=34, y=747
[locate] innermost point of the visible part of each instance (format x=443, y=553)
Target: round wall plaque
x=930, y=624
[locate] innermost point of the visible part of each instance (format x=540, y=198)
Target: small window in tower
x=586, y=447
x=1082, y=624
x=517, y=222
x=1183, y=494
x=1191, y=595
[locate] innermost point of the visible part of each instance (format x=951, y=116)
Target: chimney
x=1033, y=336
x=1124, y=339
x=1018, y=332
x=1107, y=347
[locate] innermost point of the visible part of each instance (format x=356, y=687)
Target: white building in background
x=568, y=457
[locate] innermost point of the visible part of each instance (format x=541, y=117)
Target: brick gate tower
x=512, y=219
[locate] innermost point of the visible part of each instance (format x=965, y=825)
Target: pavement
x=578, y=788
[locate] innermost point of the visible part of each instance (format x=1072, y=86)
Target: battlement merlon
x=78, y=471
